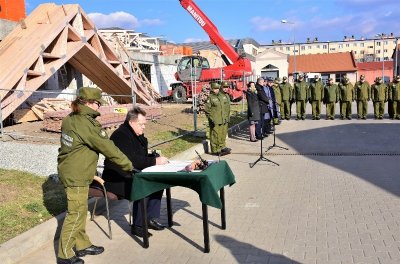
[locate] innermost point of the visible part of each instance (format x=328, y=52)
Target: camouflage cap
x=362, y=76
x=215, y=85
x=91, y=93
x=398, y=77
x=284, y=78
x=316, y=76
x=300, y=76
x=277, y=79
x=330, y=79
x=225, y=84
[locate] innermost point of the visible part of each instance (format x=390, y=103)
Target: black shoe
x=259, y=138
x=155, y=225
x=138, y=231
x=364, y=118
x=318, y=118
x=303, y=118
x=73, y=260
x=223, y=153
x=226, y=150
x=92, y=250
x=349, y=117
x=253, y=140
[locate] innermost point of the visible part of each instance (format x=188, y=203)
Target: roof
x=51, y=45
x=323, y=63
x=374, y=65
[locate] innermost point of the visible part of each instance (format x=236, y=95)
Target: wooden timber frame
x=47, y=39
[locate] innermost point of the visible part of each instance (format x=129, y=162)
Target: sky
x=328, y=20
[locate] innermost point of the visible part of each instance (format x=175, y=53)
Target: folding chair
x=97, y=190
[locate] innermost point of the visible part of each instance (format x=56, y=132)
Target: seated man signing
x=129, y=138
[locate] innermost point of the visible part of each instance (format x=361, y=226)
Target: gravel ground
x=33, y=158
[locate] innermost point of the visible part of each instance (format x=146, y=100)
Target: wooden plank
x=38, y=112
x=24, y=115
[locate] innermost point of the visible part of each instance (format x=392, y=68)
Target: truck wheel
x=179, y=94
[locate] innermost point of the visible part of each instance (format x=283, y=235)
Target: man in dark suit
x=263, y=101
x=130, y=139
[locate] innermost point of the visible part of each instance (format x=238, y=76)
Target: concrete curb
x=18, y=247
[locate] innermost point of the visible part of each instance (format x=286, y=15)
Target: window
x=361, y=44
x=385, y=50
x=340, y=46
x=378, y=43
x=303, y=48
x=332, y=49
x=355, y=52
x=370, y=47
x=347, y=45
x=385, y=42
x=339, y=77
x=355, y=44
x=318, y=46
x=309, y=47
x=281, y=48
x=378, y=51
x=324, y=46
x=287, y=48
x=361, y=52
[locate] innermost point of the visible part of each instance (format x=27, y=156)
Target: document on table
x=172, y=166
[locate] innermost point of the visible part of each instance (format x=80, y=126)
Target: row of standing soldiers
x=330, y=94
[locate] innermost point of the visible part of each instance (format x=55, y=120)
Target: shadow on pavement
x=370, y=150
x=252, y=253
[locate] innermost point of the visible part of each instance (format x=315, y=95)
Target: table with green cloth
x=206, y=183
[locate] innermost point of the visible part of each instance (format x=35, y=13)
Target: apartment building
x=364, y=50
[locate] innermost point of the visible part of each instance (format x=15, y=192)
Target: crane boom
x=212, y=31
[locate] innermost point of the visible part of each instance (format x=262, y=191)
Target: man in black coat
x=129, y=138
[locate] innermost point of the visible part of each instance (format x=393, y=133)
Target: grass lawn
x=27, y=200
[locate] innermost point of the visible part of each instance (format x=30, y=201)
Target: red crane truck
x=197, y=68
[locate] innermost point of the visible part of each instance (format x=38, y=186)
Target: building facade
x=364, y=50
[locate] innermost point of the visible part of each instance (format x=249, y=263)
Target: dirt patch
x=8, y=193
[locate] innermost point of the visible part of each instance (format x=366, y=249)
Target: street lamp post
x=284, y=21
x=381, y=35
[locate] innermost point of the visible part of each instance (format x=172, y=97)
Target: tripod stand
x=261, y=157
x=275, y=145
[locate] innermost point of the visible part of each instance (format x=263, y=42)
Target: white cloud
x=189, y=40
x=117, y=19
x=121, y=19
x=265, y=23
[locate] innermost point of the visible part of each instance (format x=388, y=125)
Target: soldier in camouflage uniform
x=82, y=139
x=346, y=97
x=215, y=108
x=278, y=99
x=300, y=95
x=379, y=96
x=331, y=97
x=315, y=96
x=227, y=112
x=287, y=96
x=394, y=95
x=363, y=95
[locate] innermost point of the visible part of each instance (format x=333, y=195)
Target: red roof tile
x=330, y=62
x=374, y=65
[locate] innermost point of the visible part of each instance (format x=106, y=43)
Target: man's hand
x=161, y=160
x=98, y=179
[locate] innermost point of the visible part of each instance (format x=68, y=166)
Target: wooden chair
x=97, y=191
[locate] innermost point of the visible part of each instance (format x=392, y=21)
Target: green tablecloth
x=206, y=183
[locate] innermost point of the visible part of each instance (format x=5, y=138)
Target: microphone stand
x=262, y=156
x=274, y=145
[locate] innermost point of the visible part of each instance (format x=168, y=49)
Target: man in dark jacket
x=129, y=138
x=263, y=102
